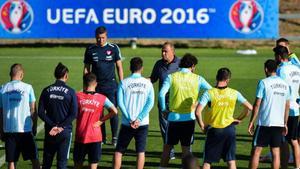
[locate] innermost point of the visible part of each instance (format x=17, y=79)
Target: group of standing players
x=180, y=105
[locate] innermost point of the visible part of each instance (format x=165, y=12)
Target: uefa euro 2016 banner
x=236, y=19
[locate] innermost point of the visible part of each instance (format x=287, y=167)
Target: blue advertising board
x=235, y=19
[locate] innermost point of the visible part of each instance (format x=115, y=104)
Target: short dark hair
x=136, y=64
x=100, y=30
x=223, y=74
x=15, y=69
x=60, y=71
x=88, y=79
x=281, y=40
x=271, y=65
x=281, y=51
x=188, y=60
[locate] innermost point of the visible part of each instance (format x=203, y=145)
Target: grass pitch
x=39, y=64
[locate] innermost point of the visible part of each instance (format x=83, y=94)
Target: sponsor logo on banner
x=16, y=16
x=246, y=16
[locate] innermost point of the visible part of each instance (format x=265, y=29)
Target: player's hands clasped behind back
x=135, y=124
x=55, y=130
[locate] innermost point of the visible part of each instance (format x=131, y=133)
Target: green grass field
x=39, y=65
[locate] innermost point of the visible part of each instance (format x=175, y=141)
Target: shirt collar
x=173, y=61
x=273, y=76
x=106, y=43
x=185, y=70
x=284, y=63
x=136, y=75
x=15, y=81
x=59, y=82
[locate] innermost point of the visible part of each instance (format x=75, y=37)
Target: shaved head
x=16, y=69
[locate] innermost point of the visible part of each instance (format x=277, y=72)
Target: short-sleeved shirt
x=274, y=93
x=162, y=69
x=160, y=72
x=222, y=106
x=290, y=73
x=15, y=99
x=102, y=60
x=90, y=109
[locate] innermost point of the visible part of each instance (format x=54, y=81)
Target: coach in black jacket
x=58, y=108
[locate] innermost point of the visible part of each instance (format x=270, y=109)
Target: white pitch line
x=39, y=129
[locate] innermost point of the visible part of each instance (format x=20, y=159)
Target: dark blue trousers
x=59, y=144
x=111, y=94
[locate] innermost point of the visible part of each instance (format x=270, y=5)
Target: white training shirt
x=274, y=93
x=135, y=99
x=291, y=75
x=15, y=99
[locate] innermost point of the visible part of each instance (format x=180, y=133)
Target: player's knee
x=294, y=143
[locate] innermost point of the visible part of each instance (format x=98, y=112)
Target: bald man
x=18, y=119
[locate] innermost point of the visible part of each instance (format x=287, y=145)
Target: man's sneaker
x=172, y=154
x=103, y=142
x=291, y=159
x=114, y=141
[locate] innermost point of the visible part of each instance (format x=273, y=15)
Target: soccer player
x=58, y=108
x=101, y=59
x=290, y=73
x=271, y=107
x=18, y=119
x=135, y=99
x=220, y=124
x=169, y=63
x=295, y=61
x=292, y=56
x=184, y=88
x=88, y=132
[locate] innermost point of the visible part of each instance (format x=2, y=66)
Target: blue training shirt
x=58, y=106
x=103, y=61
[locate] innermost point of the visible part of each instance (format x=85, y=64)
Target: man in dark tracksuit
x=58, y=108
x=102, y=58
x=162, y=68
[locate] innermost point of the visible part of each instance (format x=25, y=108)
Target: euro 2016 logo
x=16, y=16
x=246, y=16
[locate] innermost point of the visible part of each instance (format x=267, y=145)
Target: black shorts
x=267, y=136
x=92, y=149
x=292, y=125
x=180, y=131
x=16, y=143
x=127, y=133
x=220, y=143
x=299, y=130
